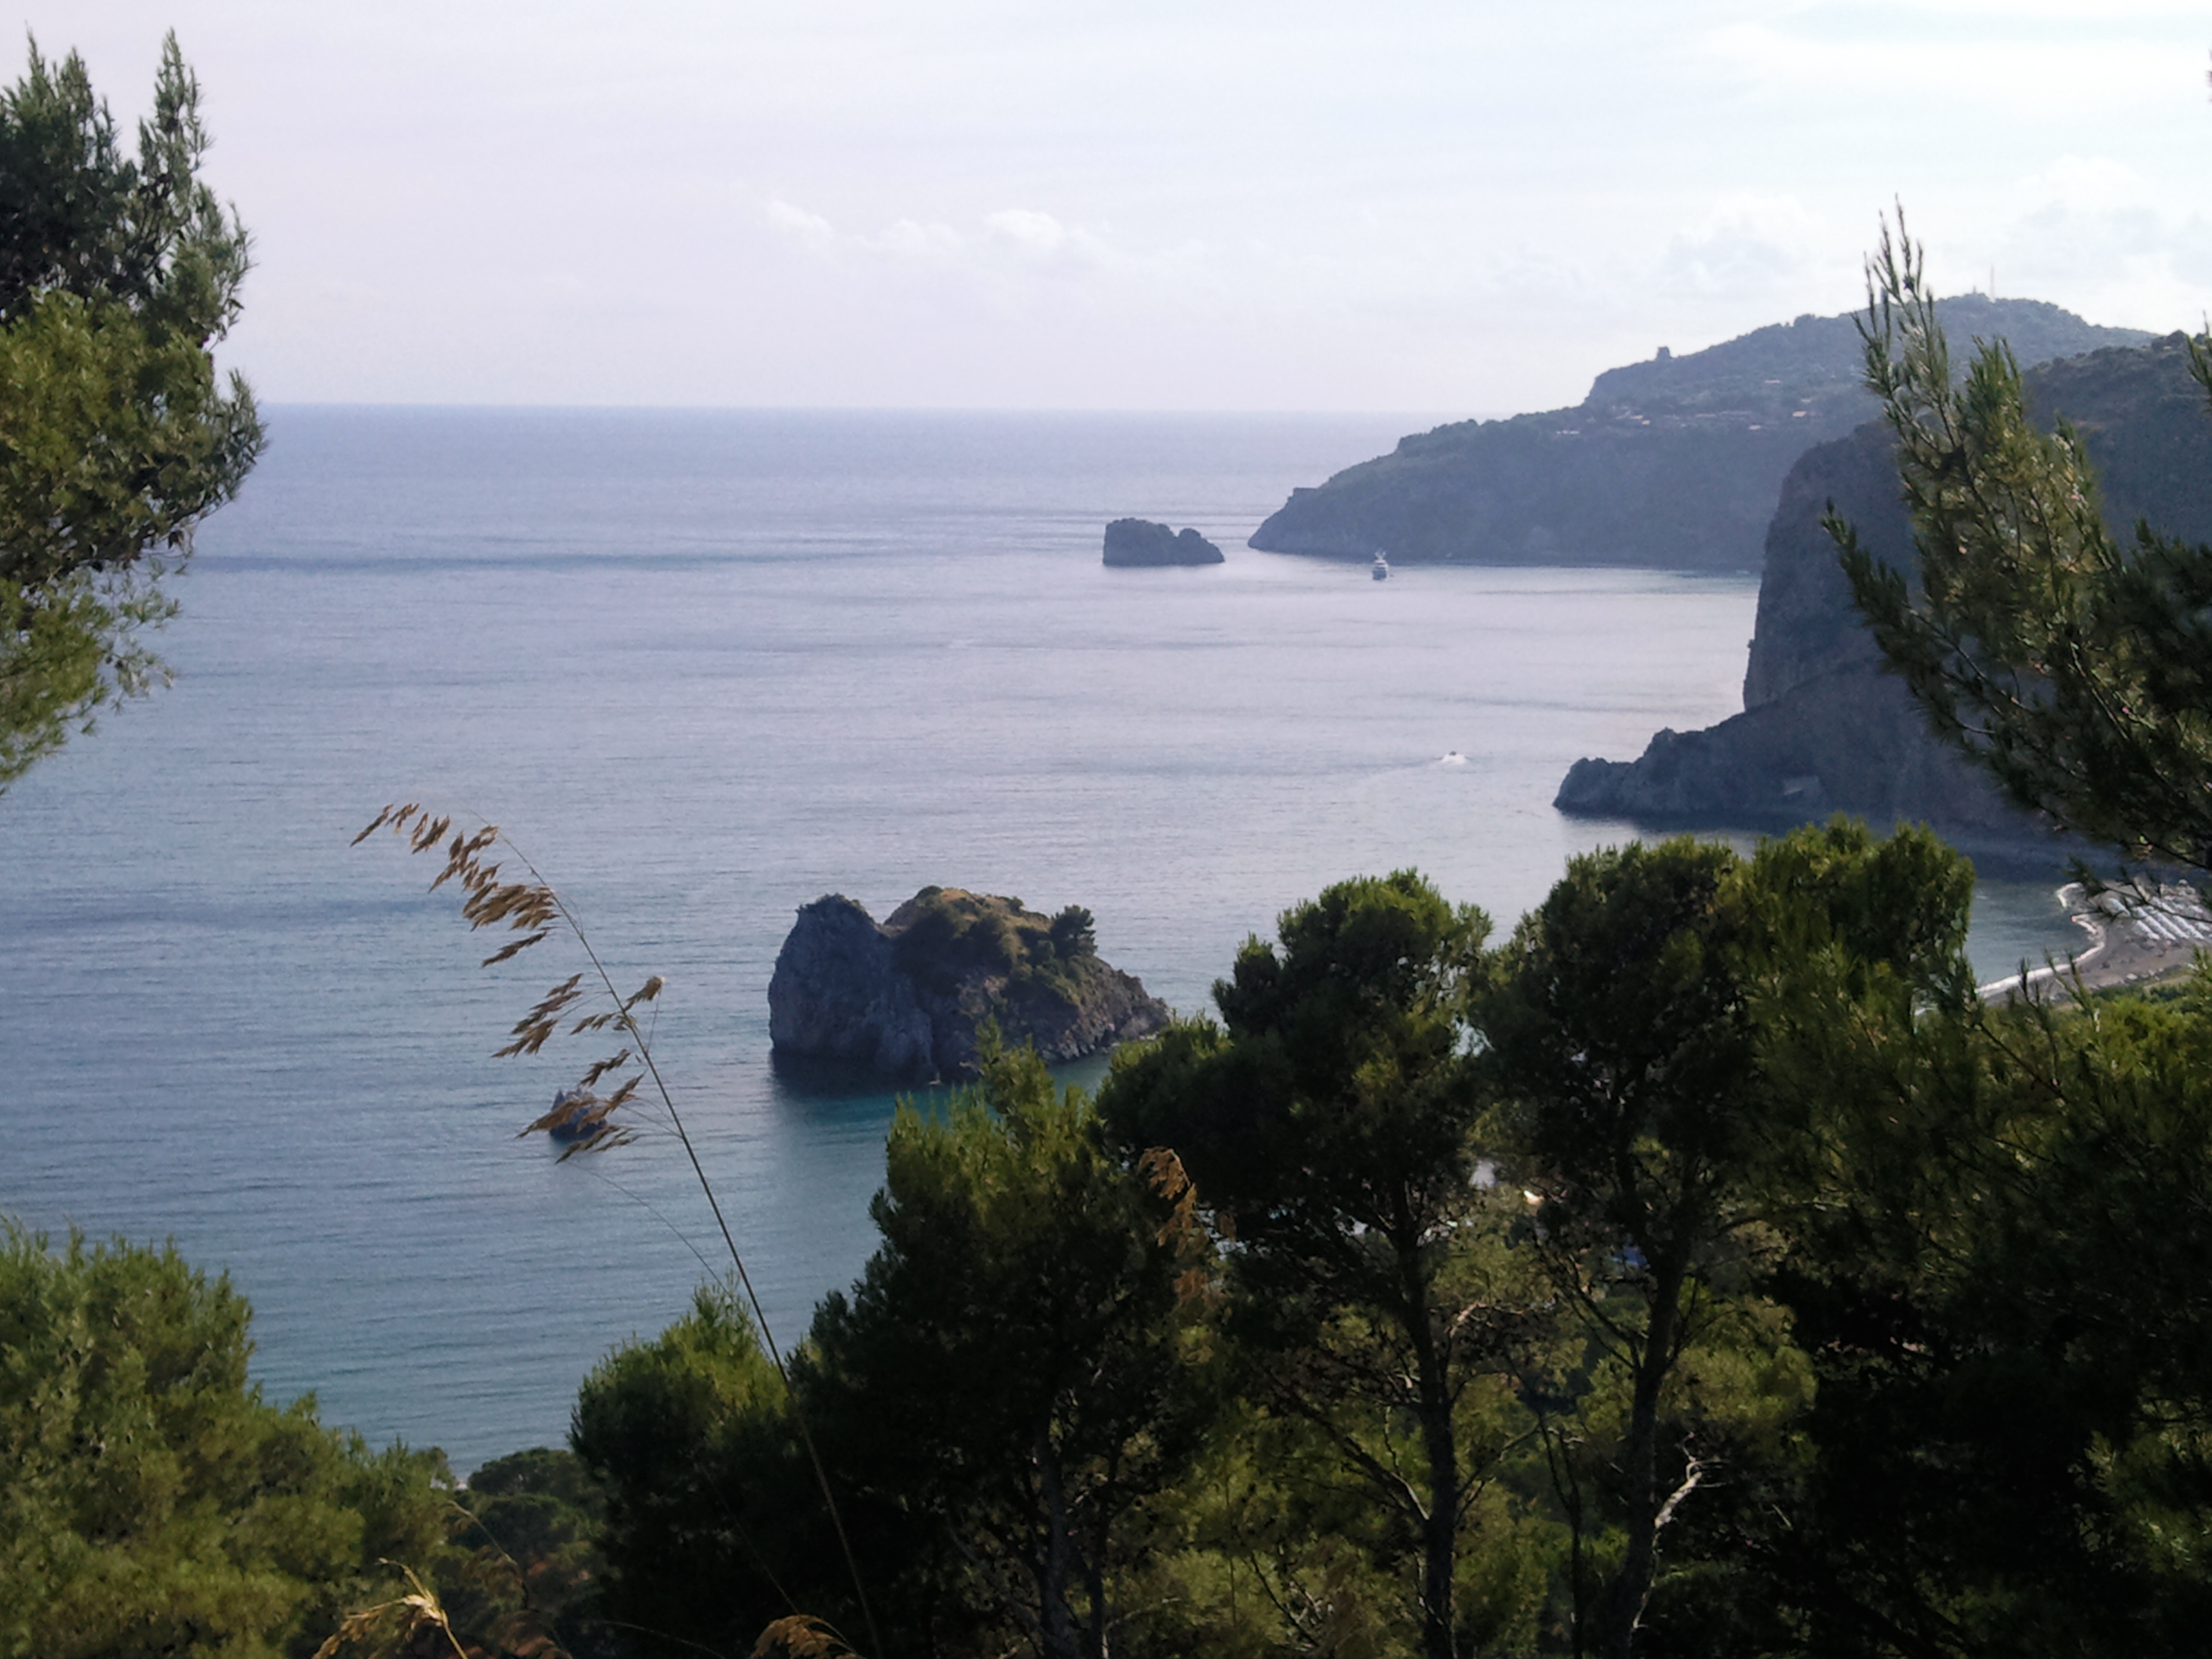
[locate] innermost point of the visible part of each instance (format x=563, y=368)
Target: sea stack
x=904, y=999
x=1141, y=541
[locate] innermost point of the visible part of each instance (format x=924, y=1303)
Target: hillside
x=1674, y=463
x=1823, y=728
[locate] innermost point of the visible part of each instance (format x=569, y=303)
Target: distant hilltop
x=1674, y=464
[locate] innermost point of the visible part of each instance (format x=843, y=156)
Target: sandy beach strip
x=2132, y=941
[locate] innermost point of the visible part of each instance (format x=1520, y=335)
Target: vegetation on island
x=943, y=934
x=117, y=277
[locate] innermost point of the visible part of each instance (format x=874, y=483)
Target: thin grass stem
x=525, y=910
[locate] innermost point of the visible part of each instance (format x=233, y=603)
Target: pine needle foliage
x=117, y=277
x=151, y=1501
x=2075, y=665
x=1326, y=1123
x=1020, y=1372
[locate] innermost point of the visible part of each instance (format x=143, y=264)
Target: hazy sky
x=1395, y=204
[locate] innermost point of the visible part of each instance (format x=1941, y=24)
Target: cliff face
x=905, y=999
x=1823, y=729
x=1672, y=462
x=837, y=993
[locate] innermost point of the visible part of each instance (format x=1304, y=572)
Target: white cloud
x=2077, y=182
x=1749, y=244
x=1040, y=231
x=1006, y=249
x=910, y=239
x=798, y=221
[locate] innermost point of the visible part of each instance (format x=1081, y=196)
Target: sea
x=702, y=667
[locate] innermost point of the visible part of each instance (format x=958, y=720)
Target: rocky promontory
x=905, y=998
x=1823, y=729
x=1672, y=463
x=1141, y=541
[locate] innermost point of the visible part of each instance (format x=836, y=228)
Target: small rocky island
x=904, y=998
x=1141, y=541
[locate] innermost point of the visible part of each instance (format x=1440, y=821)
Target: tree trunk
x=1440, y=1542
x=1058, y=1635
x=1632, y=1585
x=1440, y=1446
x=1100, y=1632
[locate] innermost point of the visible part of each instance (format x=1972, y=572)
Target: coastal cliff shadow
x=2030, y=853
x=816, y=1081
x=819, y=1079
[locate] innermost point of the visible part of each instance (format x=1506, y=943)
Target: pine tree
x=2074, y=665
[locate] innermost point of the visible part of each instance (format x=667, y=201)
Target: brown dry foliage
x=406, y=1627
x=580, y=1116
x=801, y=1636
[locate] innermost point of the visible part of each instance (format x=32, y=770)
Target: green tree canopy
x=1619, y=1046
x=1013, y=1370
x=1017, y=1374
x=523, y=1576
x=153, y=1502
x=1326, y=1127
x=1635, y=1031
x=708, y=1511
x=2001, y=1267
x=117, y=277
x=1995, y=1223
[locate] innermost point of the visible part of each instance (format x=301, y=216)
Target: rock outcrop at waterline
x=1670, y=463
x=1141, y=541
x=1823, y=729
x=905, y=998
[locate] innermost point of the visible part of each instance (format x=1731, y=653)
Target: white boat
x=1382, y=568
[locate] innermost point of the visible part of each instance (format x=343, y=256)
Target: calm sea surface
x=706, y=667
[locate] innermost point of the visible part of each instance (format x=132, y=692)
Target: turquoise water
x=705, y=668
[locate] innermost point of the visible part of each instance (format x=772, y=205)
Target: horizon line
x=398, y=405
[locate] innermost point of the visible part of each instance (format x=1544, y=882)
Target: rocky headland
x=905, y=998
x=1141, y=541
x=1672, y=463
x=1823, y=729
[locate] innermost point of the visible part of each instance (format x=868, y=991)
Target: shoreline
x=2126, y=947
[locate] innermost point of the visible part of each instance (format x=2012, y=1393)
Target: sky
x=1466, y=207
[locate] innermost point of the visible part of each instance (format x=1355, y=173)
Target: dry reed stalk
x=801, y=1637
x=392, y=1627
x=534, y=910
